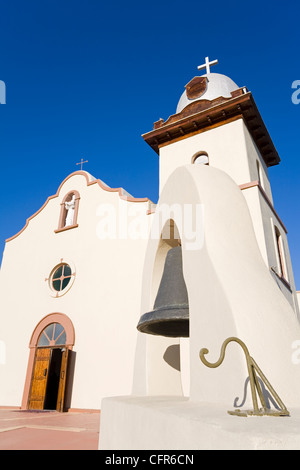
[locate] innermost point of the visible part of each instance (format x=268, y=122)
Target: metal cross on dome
x=207, y=65
x=81, y=163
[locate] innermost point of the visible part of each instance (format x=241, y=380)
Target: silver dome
x=218, y=85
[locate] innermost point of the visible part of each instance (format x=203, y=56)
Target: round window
x=61, y=277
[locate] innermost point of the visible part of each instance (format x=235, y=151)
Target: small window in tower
x=280, y=253
x=200, y=158
x=260, y=174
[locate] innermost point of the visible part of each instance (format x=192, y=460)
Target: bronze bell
x=170, y=316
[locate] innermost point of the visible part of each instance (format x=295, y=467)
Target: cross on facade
x=207, y=65
x=81, y=163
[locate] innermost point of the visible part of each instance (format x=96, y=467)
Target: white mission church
x=108, y=307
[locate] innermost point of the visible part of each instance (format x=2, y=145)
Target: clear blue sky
x=85, y=78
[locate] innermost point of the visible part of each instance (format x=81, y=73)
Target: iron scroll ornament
x=255, y=374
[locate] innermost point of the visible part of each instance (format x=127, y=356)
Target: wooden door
x=39, y=380
x=62, y=381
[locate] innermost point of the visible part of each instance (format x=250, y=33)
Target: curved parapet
x=90, y=180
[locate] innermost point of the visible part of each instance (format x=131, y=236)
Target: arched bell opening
x=170, y=314
x=170, y=238
x=167, y=324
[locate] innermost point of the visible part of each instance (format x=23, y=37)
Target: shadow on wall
x=172, y=356
x=267, y=396
x=70, y=380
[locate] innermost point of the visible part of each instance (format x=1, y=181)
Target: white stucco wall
x=231, y=293
x=231, y=148
x=257, y=172
x=264, y=220
x=227, y=147
x=103, y=303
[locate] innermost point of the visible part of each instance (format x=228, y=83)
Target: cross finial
x=81, y=163
x=207, y=65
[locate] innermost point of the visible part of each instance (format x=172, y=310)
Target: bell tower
x=217, y=123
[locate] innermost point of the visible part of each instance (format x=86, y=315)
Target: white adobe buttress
x=239, y=281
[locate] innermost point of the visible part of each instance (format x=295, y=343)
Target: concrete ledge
x=172, y=423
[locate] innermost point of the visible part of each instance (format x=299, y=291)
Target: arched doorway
x=46, y=378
